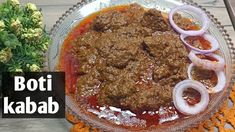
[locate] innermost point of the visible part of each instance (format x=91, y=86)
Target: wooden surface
x=52, y=10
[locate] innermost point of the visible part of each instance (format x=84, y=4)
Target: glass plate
x=79, y=11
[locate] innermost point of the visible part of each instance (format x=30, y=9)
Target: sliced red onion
x=200, y=15
x=207, y=64
x=182, y=105
x=214, y=43
x=221, y=82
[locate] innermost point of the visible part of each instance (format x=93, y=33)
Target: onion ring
x=182, y=105
x=201, y=15
x=207, y=64
x=214, y=43
x=221, y=82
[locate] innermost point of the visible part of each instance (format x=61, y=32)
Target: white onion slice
x=207, y=64
x=182, y=105
x=200, y=15
x=221, y=82
x=214, y=43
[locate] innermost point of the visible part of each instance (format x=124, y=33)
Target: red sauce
x=192, y=96
x=203, y=43
x=93, y=102
x=214, y=79
x=68, y=64
x=151, y=117
x=193, y=27
x=207, y=57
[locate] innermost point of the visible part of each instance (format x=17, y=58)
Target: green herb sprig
x=23, y=39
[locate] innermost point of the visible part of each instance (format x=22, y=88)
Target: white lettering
x=30, y=105
x=52, y=104
x=32, y=84
x=43, y=108
x=8, y=107
x=41, y=81
x=19, y=83
x=20, y=109
x=49, y=84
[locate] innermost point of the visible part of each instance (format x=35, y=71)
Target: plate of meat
x=142, y=65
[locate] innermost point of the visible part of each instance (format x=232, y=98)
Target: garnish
x=23, y=39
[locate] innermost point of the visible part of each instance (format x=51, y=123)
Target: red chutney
x=205, y=44
x=202, y=42
x=151, y=117
x=68, y=64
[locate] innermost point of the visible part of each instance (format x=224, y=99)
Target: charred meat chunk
x=170, y=55
x=117, y=50
x=150, y=99
x=134, y=30
x=109, y=21
x=88, y=84
x=112, y=92
x=134, y=14
x=109, y=73
x=154, y=20
x=85, y=52
x=164, y=45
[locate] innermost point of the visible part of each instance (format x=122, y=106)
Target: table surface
x=230, y=4
x=52, y=10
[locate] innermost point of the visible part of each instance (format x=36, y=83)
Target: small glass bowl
x=79, y=11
